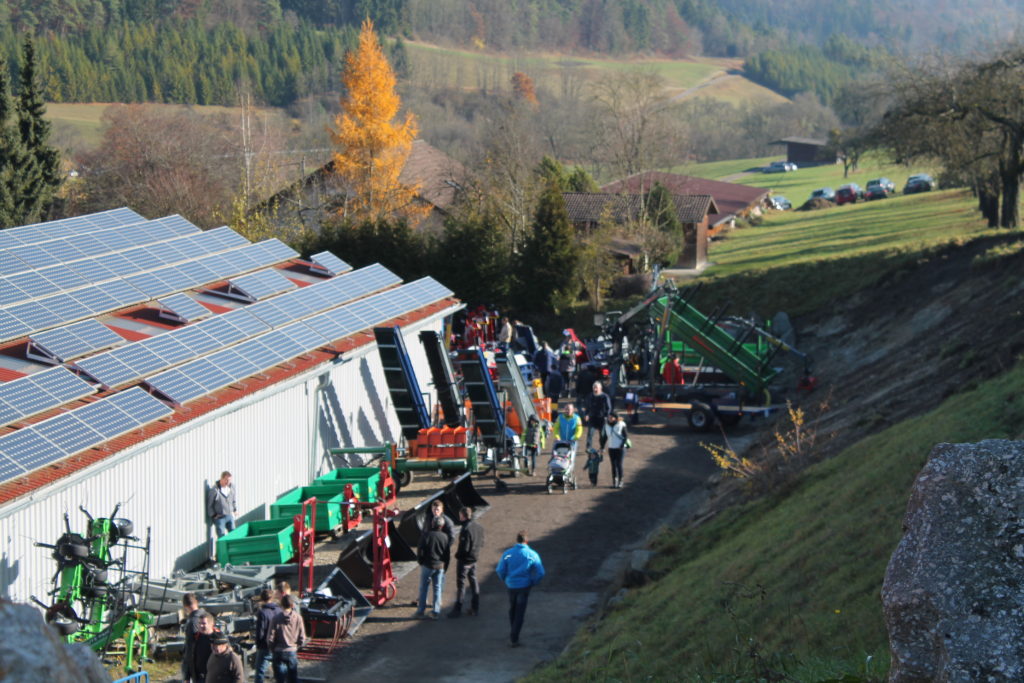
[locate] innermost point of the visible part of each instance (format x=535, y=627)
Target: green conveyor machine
x=701, y=332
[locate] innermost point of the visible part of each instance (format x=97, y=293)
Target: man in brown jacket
x=287, y=635
x=224, y=665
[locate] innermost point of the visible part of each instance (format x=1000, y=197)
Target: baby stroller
x=561, y=467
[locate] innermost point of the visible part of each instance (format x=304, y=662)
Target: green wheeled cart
x=260, y=542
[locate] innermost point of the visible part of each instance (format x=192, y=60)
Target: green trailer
x=330, y=501
x=364, y=480
x=260, y=542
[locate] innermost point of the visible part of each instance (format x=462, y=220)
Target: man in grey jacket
x=222, y=504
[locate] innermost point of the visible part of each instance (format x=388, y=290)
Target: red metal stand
x=351, y=513
x=304, y=540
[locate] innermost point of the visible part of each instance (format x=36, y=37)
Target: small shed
x=806, y=151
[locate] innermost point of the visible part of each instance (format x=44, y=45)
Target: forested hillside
x=201, y=51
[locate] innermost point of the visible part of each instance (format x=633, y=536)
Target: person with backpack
x=265, y=614
x=533, y=442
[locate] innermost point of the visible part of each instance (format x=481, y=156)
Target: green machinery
x=744, y=356
x=403, y=466
x=94, y=599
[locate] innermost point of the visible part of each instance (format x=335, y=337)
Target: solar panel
x=105, y=369
x=184, y=308
x=139, y=405
x=326, y=262
x=33, y=284
x=168, y=348
x=77, y=339
x=60, y=383
x=260, y=285
x=106, y=418
x=68, y=433
x=29, y=449
x=174, y=385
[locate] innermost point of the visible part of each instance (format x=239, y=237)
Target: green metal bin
x=260, y=542
x=329, y=502
x=364, y=481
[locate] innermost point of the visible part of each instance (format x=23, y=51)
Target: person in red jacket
x=672, y=373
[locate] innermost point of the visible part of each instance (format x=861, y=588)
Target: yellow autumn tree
x=372, y=146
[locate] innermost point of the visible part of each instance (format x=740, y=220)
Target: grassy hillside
x=790, y=581
x=790, y=237
x=458, y=68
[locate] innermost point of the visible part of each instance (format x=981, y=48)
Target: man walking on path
x=598, y=408
x=432, y=555
x=287, y=635
x=521, y=569
x=222, y=504
x=471, y=541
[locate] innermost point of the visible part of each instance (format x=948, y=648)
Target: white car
x=779, y=167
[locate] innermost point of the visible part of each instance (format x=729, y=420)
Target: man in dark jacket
x=471, y=541
x=198, y=649
x=224, y=665
x=598, y=408
x=265, y=613
x=222, y=504
x=432, y=555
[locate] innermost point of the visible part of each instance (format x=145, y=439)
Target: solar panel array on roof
x=204, y=375
x=72, y=341
x=183, y=308
x=37, y=232
x=31, y=316
x=33, y=394
x=139, y=359
x=327, y=263
x=259, y=285
x=72, y=432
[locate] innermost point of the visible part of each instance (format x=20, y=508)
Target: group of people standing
x=210, y=658
x=520, y=568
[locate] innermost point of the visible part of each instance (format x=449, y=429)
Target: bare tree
x=634, y=128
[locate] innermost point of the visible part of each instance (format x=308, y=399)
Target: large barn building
x=140, y=358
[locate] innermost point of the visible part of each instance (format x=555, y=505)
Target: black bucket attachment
x=356, y=559
x=457, y=495
x=467, y=493
x=339, y=585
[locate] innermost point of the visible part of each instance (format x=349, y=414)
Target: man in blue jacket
x=521, y=569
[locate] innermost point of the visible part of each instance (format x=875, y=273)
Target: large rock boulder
x=953, y=595
x=31, y=651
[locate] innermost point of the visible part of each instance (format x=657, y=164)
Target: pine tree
x=9, y=151
x=549, y=281
x=39, y=175
x=372, y=150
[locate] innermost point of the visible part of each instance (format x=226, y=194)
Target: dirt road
x=579, y=536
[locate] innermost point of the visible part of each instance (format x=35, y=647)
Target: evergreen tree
x=400, y=60
x=474, y=255
x=9, y=150
x=579, y=180
x=39, y=175
x=548, y=274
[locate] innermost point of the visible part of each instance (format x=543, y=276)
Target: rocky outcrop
x=954, y=589
x=31, y=651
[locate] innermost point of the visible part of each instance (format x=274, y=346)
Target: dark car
x=780, y=203
x=919, y=182
x=849, y=194
x=824, y=193
x=876, y=192
x=886, y=184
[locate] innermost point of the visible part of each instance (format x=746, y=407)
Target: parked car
x=779, y=167
x=876, y=192
x=886, y=184
x=849, y=194
x=780, y=203
x=919, y=182
x=824, y=193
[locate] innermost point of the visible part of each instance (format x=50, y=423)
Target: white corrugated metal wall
x=271, y=441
